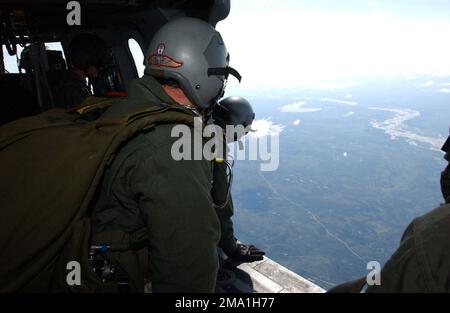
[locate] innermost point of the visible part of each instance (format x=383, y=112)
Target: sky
x=329, y=44
x=334, y=44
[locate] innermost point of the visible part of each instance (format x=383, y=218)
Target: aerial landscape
x=359, y=96
x=350, y=103
x=355, y=168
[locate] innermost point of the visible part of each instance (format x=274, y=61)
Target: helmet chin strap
x=224, y=71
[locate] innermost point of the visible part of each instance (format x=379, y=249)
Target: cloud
x=441, y=74
x=332, y=85
x=297, y=107
x=427, y=84
x=265, y=127
x=396, y=128
x=296, y=123
x=349, y=96
x=346, y=102
x=444, y=90
x=349, y=114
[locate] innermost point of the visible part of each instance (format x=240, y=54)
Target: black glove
x=246, y=253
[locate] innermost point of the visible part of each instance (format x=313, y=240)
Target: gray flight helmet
x=192, y=53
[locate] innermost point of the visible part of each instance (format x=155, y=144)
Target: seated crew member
x=87, y=52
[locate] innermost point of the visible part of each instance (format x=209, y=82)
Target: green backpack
x=50, y=167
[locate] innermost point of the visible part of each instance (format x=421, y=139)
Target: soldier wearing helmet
x=236, y=112
x=87, y=52
x=161, y=207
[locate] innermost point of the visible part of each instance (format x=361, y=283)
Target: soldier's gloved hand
x=246, y=253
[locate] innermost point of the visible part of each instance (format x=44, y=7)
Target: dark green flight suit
x=227, y=239
x=71, y=91
x=219, y=193
x=148, y=197
x=421, y=263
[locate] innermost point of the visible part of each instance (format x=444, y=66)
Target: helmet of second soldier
x=192, y=53
x=234, y=111
x=88, y=50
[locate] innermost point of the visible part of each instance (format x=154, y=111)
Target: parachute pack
x=50, y=167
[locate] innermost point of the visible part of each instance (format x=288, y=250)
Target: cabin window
x=138, y=56
x=55, y=46
x=11, y=62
